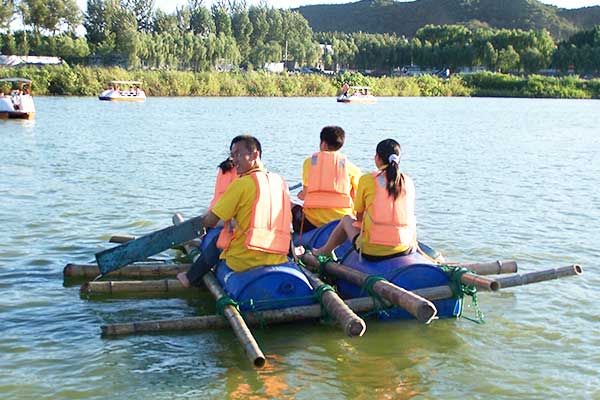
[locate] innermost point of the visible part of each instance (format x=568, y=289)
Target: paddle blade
x=148, y=245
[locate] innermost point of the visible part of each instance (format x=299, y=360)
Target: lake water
x=496, y=179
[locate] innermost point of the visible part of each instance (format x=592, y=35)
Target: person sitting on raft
x=227, y=174
x=385, y=208
x=259, y=202
x=329, y=183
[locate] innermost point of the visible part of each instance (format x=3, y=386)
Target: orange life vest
x=271, y=217
x=393, y=222
x=328, y=181
x=224, y=179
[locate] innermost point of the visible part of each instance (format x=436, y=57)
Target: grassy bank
x=86, y=81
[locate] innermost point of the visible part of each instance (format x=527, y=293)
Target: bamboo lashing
x=351, y=323
x=422, y=309
x=231, y=313
x=270, y=317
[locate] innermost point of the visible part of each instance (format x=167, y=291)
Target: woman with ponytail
x=385, y=208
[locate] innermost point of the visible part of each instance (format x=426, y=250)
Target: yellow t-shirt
x=236, y=203
x=365, y=196
x=321, y=216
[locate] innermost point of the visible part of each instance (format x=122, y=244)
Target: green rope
x=318, y=294
x=225, y=301
x=380, y=306
x=459, y=290
x=188, y=258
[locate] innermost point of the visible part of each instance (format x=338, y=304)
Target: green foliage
x=407, y=18
x=351, y=79
x=86, y=81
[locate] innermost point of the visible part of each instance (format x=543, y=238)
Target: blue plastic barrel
x=266, y=288
x=318, y=237
x=410, y=272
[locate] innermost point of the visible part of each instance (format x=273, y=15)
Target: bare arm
x=210, y=220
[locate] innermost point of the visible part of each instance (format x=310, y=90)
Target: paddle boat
x=123, y=91
x=360, y=94
x=17, y=102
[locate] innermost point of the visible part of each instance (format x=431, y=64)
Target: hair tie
x=394, y=158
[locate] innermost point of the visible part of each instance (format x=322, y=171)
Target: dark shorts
x=297, y=217
x=380, y=258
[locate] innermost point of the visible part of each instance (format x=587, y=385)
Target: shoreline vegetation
x=88, y=81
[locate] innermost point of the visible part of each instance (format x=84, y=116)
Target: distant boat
x=123, y=91
x=17, y=103
x=360, y=94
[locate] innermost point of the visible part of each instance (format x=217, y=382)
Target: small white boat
x=17, y=102
x=123, y=91
x=360, y=94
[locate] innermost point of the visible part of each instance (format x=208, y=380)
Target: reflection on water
x=495, y=179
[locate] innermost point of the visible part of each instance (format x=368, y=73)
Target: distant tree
x=9, y=46
x=490, y=56
x=242, y=30
x=51, y=15
x=508, y=59
x=221, y=19
x=143, y=11
x=7, y=12
x=164, y=23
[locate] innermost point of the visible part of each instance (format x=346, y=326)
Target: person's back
x=385, y=209
x=258, y=202
x=329, y=182
x=227, y=174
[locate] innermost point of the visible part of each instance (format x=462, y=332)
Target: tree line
x=132, y=33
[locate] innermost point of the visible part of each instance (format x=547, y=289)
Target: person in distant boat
x=329, y=183
x=259, y=203
x=385, y=208
x=345, y=89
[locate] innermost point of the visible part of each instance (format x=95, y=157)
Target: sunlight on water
x=495, y=178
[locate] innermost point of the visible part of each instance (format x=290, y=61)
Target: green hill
x=404, y=18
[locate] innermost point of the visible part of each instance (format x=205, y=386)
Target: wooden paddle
x=148, y=245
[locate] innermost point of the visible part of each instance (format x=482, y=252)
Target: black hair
x=227, y=165
x=333, y=136
x=385, y=149
x=250, y=142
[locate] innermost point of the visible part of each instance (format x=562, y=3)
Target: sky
x=170, y=5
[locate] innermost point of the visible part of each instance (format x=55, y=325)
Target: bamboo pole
x=236, y=322
x=480, y=282
x=539, y=276
x=121, y=238
x=422, y=309
x=271, y=317
x=231, y=313
x=119, y=287
x=129, y=271
x=351, y=323
x=492, y=268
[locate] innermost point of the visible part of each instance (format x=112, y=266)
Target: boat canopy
x=20, y=80
x=127, y=82
x=360, y=87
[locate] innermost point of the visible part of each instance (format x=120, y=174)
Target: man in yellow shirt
x=243, y=249
x=329, y=183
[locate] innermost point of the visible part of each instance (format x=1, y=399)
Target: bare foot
x=299, y=251
x=182, y=277
x=318, y=252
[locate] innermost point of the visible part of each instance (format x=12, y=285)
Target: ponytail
x=226, y=165
x=389, y=151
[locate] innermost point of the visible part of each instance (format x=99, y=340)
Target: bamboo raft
x=157, y=278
